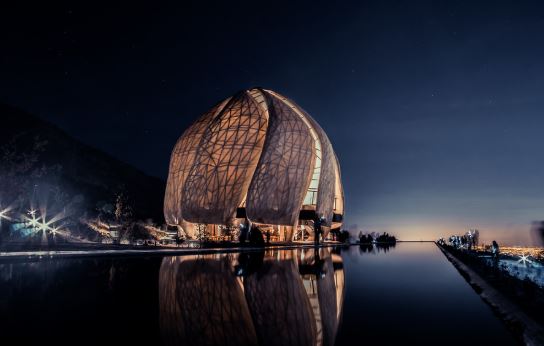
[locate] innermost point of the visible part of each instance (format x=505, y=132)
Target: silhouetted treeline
x=365, y=239
x=386, y=238
x=370, y=238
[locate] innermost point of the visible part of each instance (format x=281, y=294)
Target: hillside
x=32, y=148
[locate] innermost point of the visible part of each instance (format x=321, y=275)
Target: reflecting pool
x=407, y=294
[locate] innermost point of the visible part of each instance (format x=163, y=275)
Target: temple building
x=254, y=157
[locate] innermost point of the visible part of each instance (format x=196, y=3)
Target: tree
x=27, y=182
x=386, y=238
x=123, y=210
x=20, y=169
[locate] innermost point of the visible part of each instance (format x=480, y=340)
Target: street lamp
x=4, y=214
x=317, y=228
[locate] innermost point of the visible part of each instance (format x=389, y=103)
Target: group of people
x=250, y=233
x=253, y=235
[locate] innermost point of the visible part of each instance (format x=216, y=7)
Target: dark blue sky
x=434, y=108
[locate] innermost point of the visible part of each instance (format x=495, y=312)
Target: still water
x=407, y=294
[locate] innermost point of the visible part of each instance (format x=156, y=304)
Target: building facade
x=254, y=157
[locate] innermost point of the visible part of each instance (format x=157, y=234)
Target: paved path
x=36, y=255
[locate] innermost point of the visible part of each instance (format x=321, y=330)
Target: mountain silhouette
x=80, y=169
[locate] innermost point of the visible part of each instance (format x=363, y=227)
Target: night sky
x=434, y=108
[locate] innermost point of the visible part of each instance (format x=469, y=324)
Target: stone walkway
x=531, y=332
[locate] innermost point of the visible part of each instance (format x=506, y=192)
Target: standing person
x=317, y=229
x=495, y=249
x=256, y=236
x=244, y=229
x=495, y=252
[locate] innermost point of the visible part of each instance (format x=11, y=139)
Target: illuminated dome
x=255, y=155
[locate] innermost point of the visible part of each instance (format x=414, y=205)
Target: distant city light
x=530, y=252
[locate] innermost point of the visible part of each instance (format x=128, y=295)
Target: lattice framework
x=182, y=160
x=284, y=170
x=226, y=160
x=257, y=149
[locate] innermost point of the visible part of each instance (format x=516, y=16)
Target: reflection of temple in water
x=274, y=298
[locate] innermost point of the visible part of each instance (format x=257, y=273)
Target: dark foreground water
x=407, y=295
